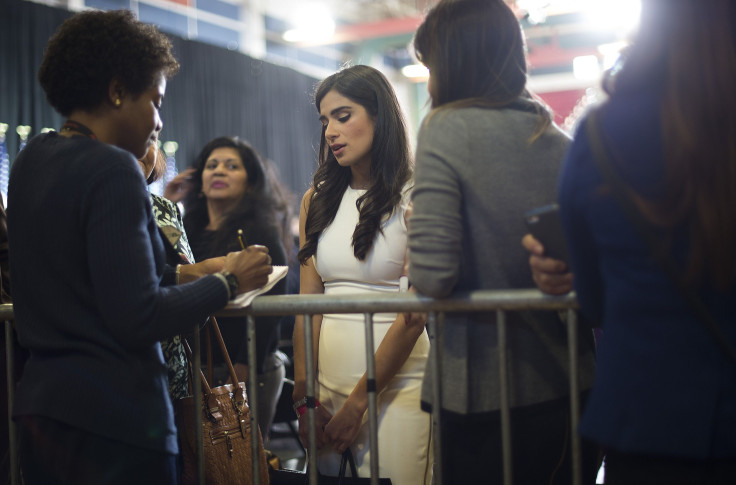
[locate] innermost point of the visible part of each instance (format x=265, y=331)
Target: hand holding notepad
x=246, y=299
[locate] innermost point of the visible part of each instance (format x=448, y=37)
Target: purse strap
x=621, y=193
x=239, y=398
x=347, y=458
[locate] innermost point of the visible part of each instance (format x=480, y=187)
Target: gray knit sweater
x=476, y=175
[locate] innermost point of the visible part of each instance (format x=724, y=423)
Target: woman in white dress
x=353, y=239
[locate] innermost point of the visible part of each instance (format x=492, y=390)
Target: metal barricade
x=478, y=301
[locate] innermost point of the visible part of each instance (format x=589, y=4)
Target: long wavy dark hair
x=390, y=161
x=474, y=50
x=265, y=199
x=688, y=48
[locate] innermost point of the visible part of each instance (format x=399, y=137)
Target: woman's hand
x=344, y=427
x=322, y=417
x=251, y=266
x=179, y=186
x=412, y=319
x=550, y=275
x=191, y=272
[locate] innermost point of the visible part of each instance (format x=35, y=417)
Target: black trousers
x=541, y=452
x=635, y=469
x=52, y=452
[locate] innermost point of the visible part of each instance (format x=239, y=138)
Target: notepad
x=246, y=299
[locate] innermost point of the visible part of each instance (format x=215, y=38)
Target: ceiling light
x=415, y=72
x=619, y=15
x=312, y=22
x=586, y=67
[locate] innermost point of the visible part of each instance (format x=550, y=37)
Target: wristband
x=300, y=407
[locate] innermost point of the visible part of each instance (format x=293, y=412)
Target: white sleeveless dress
x=404, y=437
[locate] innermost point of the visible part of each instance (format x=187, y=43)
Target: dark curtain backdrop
x=217, y=92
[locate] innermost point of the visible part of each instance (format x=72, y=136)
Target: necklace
x=71, y=125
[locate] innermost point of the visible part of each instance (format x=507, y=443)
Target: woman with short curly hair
x=92, y=301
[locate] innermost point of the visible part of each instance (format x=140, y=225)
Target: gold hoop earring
x=117, y=102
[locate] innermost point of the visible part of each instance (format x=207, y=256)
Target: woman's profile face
x=348, y=130
x=224, y=177
x=138, y=119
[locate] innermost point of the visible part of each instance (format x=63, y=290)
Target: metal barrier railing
x=308, y=305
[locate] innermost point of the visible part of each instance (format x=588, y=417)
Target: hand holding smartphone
x=544, y=224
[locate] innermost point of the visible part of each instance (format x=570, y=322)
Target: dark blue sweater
x=88, y=271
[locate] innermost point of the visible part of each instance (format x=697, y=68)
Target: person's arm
x=309, y=283
x=125, y=264
x=192, y=272
x=436, y=229
x=179, y=187
x=550, y=275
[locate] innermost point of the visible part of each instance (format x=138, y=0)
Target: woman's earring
x=117, y=102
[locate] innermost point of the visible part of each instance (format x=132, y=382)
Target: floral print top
x=171, y=224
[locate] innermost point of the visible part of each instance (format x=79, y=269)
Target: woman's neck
x=217, y=211
x=360, y=180
x=94, y=121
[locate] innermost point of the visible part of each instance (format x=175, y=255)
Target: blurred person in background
x=229, y=190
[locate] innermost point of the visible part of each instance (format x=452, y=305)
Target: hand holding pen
x=241, y=240
x=251, y=266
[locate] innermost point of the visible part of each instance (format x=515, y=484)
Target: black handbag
x=353, y=479
x=295, y=477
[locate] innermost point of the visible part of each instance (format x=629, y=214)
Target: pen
x=240, y=238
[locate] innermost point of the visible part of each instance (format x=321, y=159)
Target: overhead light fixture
x=416, y=72
x=586, y=68
x=312, y=22
x=620, y=15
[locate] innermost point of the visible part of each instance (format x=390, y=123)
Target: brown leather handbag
x=226, y=430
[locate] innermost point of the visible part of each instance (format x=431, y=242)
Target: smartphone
x=544, y=224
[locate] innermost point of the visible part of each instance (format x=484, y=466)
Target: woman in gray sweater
x=486, y=154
